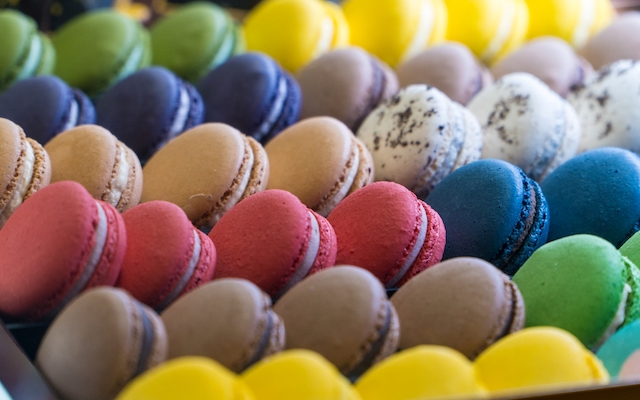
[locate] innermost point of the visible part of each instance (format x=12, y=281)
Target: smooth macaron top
x=492, y=211
x=252, y=93
x=619, y=41
x=463, y=303
x=99, y=342
x=342, y=313
x=273, y=240
x=229, y=320
x=149, y=108
x=597, y=193
x=57, y=243
x=385, y=229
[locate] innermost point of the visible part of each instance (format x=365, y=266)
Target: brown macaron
x=206, y=171
x=229, y=320
x=25, y=168
x=344, y=314
x=463, y=303
x=95, y=158
x=320, y=161
x=98, y=343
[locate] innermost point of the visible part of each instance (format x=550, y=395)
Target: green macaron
x=97, y=49
x=195, y=39
x=24, y=52
x=582, y=284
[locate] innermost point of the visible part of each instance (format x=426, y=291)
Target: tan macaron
x=320, y=161
x=206, y=171
x=95, y=158
x=25, y=168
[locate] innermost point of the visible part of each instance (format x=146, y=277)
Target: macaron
x=297, y=374
x=630, y=370
x=106, y=167
x=148, y=109
x=294, y=32
x=25, y=51
x=565, y=277
x=619, y=41
x=606, y=107
x=25, y=168
x=346, y=84
x=422, y=372
x=409, y=26
x=195, y=378
x=550, y=59
x=595, y=193
x=60, y=242
x=490, y=28
x=527, y=124
x=206, y=171
x=419, y=136
x=385, y=229
x=274, y=249
x=252, y=93
x=97, y=49
x=45, y=106
x=194, y=39
x=618, y=351
x=98, y=343
x=343, y=313
x=320, y=161
x=492, y=211
x=573, y=21
x=166, y=255
x=228, y=320
x=538, y=359
x=463, y=303
x=450, y=67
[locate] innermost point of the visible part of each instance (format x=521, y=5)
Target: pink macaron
x=273, y=240
x=166, y=255
x=387, y=230
x=59, y=242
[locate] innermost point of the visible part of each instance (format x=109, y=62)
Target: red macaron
x=387, y=230
x=273, y=240
x=59, y=242
x=166, y=255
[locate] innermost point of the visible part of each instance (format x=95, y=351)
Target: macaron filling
x=147, y=341
x=32, y=61
x=120, y=177
x=346, y=182
x=585, y=20
x=132, y=63
x=100, y=237
x=72, y=118
x=182, y=114
x=309, y=256
x=264, y=342
x=618, y=319
x=186, y=276
x=325, y=41
x=415, y=250
x=503, y=33
x=423, y=32
x=376, y=347
x=276, y=108
x=22, y=185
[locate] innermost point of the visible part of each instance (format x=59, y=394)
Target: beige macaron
x=206, y=171
x=320, y=161
x=95, y=158
x=25, y=168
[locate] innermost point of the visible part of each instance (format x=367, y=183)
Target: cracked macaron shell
x=320, y=161
x=92, y=156
x=229, y=320
x=431, y=310
x=99, y=343
x=342, y=313
x=206, y=171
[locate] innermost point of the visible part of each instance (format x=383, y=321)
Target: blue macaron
x=45, y=106
x=149, y=108
x=597, y=192
x=493, y=211
x=252, y=93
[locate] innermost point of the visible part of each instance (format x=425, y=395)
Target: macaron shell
x=11, y=137
x=631, y=368
x=41, y=169
x=620, y=349
x=619, y=41
x=20, y=31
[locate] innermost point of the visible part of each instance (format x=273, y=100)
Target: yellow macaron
x=572, y=20
x=193, y=378
x=490, y=28
x=294, y=32
x=297, y=375
x=422, y=372
x=395, y=30
x=541, y=358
